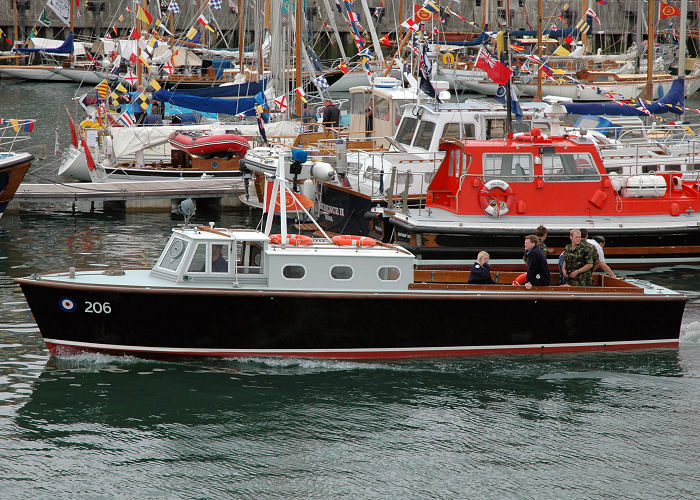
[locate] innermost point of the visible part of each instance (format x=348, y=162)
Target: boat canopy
x=50, y=46
x=672, y=102
x=245, y=105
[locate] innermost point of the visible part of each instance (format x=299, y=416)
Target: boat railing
x=13, y=131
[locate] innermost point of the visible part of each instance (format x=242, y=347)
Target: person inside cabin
x=537, y=268
x=218, y=262
x=369, y=118
x=480, y=273
x=331, y=114
x=578, y=261
x=153, y=118
x=598, y=243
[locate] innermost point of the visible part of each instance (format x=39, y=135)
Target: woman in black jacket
x=481, y=272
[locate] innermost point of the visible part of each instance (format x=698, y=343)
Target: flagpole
x=297, y=51
x=509, y=110
x=538, y=96
x=240, y=36
x=648, y=91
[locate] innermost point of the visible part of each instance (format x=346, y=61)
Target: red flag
x=133, y=58
x=496, y=71
x=88, y=156
x=343, y=67
x=73, y=133
x=135, y=34
x=385, y=40
x=666, y=10
x=569, y=40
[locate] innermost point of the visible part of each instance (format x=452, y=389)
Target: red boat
x=488, y=195
x=204, y=145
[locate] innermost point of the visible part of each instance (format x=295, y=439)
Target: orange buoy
x=349, y=240
x=292, y=239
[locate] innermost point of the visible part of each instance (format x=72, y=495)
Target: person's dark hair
x=541, y=231
x=584, y=234
x=533, y=238
x=599, y=239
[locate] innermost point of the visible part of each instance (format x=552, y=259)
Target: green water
x=603, y=425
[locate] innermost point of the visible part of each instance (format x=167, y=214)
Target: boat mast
x=509, y=110
x=538, y=96
x=648, y=91
x=372, y=32
x=14, y=6
x=638, y=37
x=331, y=20
x=681, y=46
x=297, y=51
x=240, y=36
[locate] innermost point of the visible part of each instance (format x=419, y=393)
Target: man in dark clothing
x=480, y=273
x=537, y=267
x=331, y=114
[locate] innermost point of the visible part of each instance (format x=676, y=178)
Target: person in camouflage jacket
x=579, y=260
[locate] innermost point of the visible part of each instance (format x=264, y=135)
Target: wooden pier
x=130, y=196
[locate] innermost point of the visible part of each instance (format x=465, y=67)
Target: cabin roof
x=220, y=234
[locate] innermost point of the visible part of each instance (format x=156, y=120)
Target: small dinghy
x=204, y=145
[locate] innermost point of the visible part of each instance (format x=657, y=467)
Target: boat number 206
x=97, y=307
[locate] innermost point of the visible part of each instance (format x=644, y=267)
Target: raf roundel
x=67, y=304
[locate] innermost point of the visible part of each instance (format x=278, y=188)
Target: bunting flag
x=496, y=71
x=131, y=78
x=2, y=34
x=192, y=33
x=517, y=48
x=135, y=34
x=120, y=88
x=300, y=92
x=561, y=51
x=426, y=12
x=322, y=82
x=144, y=101
x=203, y=21
x=154, y=85
x=215, y=4
x=126, y=120
x=88, y=155
x=343, y=66
x=337, y=6
x=453, y=13
x=602, y=2
x=583, y=26
x=281, y=102
x=168, y=67
x=410, y=24
x=144, y=16
x=44, y=19
x=666, y=10
x=385, y=40
x=143, y=61
x=174, y=7
x=102, y=89
x=592, y=14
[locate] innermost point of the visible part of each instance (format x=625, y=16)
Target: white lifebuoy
x=491, y=201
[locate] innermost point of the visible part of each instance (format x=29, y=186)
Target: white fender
x=322, y=171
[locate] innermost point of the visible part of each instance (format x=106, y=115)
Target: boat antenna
x=187, y=208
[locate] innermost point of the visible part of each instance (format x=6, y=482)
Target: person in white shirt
x=598, y=243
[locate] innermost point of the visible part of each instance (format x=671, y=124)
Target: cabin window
x=648, y=168
x=424, y=135
x=198, y=262
x=249, y=257
x=381, y=109
x=469, y=131
x=508, y=167
x=341, y=272
x=293, y=272
x=398, y=104
x=406, y=130
x=495, y=128
x=567, y=167
x=174, y=254
x=219, y=258
x=451, y=130
x=388, y=273
x=358, y=103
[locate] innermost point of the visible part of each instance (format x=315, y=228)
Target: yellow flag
x=558, y=71
x=155, y=85
x=144, y=16
x=121, y=88
x=145, y=63
x=191, y=33
x=15, y=124
x=561, y=51
x=144, y=106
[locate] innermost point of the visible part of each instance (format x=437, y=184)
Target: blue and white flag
x=215, y=4
x=322, y=82
x=514, y=102
x=174, y=7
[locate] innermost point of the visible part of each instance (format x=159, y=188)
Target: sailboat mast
x=650, y=49
x=14, y=6
x=297, y=51
x=240, y=36
x=538, y=96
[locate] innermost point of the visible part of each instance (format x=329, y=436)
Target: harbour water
x=603, y=425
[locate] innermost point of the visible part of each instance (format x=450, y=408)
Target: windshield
x=405, y=133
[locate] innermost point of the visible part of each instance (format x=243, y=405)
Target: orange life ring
x=521, y=279
x=299, y=240
x=496, y=197
x=349, y=240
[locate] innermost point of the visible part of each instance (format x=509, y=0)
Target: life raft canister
x=298, y=240
x=496, y=197
x=349, y=240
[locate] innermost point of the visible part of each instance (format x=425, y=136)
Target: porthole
x=389, y=273
x=293, y=272
x=341, y=272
